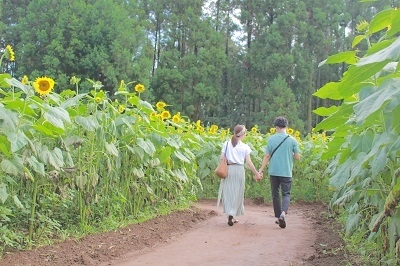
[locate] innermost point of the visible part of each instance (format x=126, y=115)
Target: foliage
x=365, y=129
x=74, y=163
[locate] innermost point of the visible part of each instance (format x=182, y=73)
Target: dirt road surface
x=201, y=236
x=254, y=240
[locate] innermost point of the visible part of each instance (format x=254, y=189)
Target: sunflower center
x=44, y=85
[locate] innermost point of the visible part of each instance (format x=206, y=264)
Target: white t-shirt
x=237, y=154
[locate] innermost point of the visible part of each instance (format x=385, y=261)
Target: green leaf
x=8, y=120
x=337, y=119
x=395, y=28
x=390, y=53
x=181, y=175
x=379, y=161
x=89, y=123
x=13, y=166
x=37, y=166
x=357, y=40
x=138, y=172
x=375, y=102
x=72, y=101
x=43, y=129
x=18, y=140
x=28, y=90
x=329, y=91
x=55, y=158
x=348, y=57
x=376, y=47
x=111, y=149
x=3, y=192
x=357, y=74
x=181, y=156
x=381, y=20
x=5, y=146
x=165, y=153
x=324, y=111
x=352, y=222
x=4, y=77
x=20, y=106
x=147, y=146
x=17, y=202
x=56, y=116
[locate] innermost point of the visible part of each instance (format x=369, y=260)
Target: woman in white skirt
x=232, y=187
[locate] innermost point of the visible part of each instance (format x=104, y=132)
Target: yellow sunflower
x=176, y=118
x=43, y=85
x=139, y=88
x=121, y=109
x=25, y=80
x=290, y=131
x=9, y=53
x=272, y=130
x=165, y=115
x=254, y=129
x=153, y=116
x=161, y=105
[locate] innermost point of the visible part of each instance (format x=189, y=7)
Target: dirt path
x=201, y=236
x=255, y=240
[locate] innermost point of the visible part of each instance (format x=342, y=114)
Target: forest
x=223, y=62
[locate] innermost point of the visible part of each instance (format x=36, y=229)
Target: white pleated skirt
x=231, y=191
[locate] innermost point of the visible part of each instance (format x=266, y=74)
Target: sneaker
x=230, y=222
x=282, y=222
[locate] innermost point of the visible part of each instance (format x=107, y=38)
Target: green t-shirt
x=281, y=163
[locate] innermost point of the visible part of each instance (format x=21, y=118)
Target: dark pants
x=283, y=184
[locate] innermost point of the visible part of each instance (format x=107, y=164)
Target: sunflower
x=213, y=129
x=9, y=53
x=43, y=85
x=165, y=115
x=153, y=116
x=121, y=109
x=161, y=105
x=290, y=131
x=176, y=118
x=139, y=88
x=272, y=130
x=25, y=80
x=74, y=80
x=97, y=99
x=362, y=26
x=254, y=129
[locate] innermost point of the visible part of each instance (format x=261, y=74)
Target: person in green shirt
x=281, y=151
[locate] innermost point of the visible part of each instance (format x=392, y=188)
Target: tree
x=101, y=41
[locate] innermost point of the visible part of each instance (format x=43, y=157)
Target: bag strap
x=278, y=146
x=226, y=147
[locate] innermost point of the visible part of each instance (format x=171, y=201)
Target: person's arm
x=252, y=167
x=265, y=162
x=296, y=151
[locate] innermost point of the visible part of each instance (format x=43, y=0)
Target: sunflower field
x=73, y=162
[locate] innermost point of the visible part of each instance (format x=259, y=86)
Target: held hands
x=258, y=176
